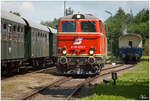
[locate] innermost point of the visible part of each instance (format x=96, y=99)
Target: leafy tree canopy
x=123, y=23
x=16, y=13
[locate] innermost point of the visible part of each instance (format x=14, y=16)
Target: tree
x=50, y=23
x=118, y=26
x=69, y=11
x=122, y=22
x=16, y=13
x=140, y=25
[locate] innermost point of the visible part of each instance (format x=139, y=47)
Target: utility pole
x=111, y=31
x=64, y=8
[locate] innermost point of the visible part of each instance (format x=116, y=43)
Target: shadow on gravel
x=54, y=92
x=129, y=90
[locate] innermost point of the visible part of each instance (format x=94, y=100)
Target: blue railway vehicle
x=130, y=48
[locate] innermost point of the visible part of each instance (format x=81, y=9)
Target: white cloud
x=125, y=7
x=27, y=6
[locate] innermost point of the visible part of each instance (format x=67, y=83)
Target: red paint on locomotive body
x=77, y=37
x=79, y=41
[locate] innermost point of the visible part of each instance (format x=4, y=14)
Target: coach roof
x=12, y=17
x=52, y=30
x=87, y=16
x=38, y=26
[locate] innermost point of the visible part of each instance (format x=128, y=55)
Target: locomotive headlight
x=91, y=52
x=78, y=16
x=64, y=52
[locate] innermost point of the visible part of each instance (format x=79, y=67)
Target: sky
x=38, y=11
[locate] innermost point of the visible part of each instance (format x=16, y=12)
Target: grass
x=130, y=85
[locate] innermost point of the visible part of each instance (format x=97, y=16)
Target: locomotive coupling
x=63, y=60
x=91, y=60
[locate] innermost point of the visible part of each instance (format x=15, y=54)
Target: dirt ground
x=15, y=87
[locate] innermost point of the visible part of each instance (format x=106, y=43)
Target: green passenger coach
x=25, y=43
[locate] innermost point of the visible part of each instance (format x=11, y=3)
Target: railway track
x=98, y=76
x=67, y=87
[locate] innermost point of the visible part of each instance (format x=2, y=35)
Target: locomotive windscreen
x=88, y=26
x=68, y=26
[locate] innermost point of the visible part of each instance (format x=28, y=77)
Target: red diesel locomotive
x=81, y=45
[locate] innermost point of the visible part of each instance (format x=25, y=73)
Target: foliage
x=130, y=85
x=52, y=24
x=146, y=48
x=69, y=11
x=117, y=25
x=16, y=13
x=140, y=25
x=123, y=23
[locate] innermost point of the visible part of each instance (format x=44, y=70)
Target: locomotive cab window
x=88, y=26
x=100, y=26
x=68, y=26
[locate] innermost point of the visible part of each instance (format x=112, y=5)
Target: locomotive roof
x=87, y=16
x=11, y=17
x=37, y=25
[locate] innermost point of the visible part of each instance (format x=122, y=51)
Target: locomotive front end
x=80, y=45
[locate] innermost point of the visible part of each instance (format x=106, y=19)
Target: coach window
x=4, y=26
x=38, y=35
x=46, y=36
x=32, y=35
x=88, y=26
x=41, y=34
x=21, y=29
x=18, y=29
x=14, y=28
x=9, y=28
x=68, y=26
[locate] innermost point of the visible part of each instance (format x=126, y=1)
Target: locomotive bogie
x=80, y=65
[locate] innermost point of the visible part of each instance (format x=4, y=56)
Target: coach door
x=27, y=42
